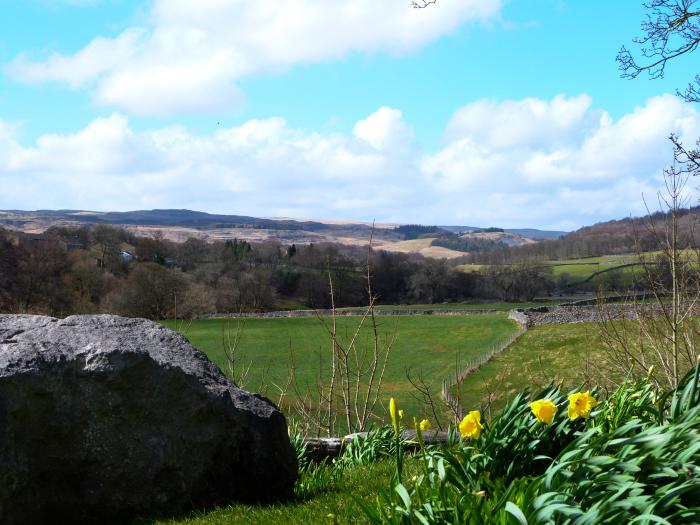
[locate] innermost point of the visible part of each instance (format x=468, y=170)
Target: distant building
x=126, y=256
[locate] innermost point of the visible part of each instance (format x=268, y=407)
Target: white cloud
x=571, y=170
x=557, y=163
x=262, y=167
x=530, y=121
x=385, y=129
x=97, y=58
x=187, y=60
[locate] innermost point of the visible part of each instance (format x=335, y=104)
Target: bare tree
x=107, y=239
x=358, y=357
x=671, y=29
x=427, y=397
x=661, y=333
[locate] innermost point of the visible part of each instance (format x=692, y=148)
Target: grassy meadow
x=579, y=270
x=556, y=353
x=430, y=344
x=544, y=354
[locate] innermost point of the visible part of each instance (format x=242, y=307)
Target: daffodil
x=396, y=416
x=471, y=426
x=395, y=413
x=544, y=410
x=425, y=425
x=581, y=404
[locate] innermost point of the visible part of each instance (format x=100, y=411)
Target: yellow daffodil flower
x=395, y=414
x=581, y=404
x=544, y=410
x=471, y=426
x=424, y=425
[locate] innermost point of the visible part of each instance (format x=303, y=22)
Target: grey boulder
x=104, y=418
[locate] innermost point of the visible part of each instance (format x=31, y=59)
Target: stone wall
x=518, y=316
x=326, y=449
x=347, y=313
x=587, y=314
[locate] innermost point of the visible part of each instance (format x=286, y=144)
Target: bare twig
x=422, y=4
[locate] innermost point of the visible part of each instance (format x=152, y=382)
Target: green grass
x=468, y=268
x=582, y=268
x=547, y=353
x=357, y=483
x=580, y=272
x=614, y=260
x=428, y=343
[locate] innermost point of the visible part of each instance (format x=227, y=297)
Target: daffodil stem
x=421, y=443
x=399, y=455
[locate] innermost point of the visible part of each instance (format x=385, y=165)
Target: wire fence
x=473, y=365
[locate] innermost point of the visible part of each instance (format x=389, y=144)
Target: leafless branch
x=422, y=4
x=671, y=30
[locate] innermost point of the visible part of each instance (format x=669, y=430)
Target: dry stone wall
x=347, y=313
x=586, y=314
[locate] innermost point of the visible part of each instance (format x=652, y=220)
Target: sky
x=506, y=113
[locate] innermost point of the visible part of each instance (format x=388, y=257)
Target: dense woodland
x=468, y=244
x=107, y=269
x=103, y=268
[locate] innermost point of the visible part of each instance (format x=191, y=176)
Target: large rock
x=104, y=418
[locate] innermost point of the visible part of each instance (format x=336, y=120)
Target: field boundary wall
x=346, y=313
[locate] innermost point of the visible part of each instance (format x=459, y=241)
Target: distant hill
x=530, y=233
x=536, y=235
x=186, y=218
x=638, y=225
x=619, y=236
x=178, y=225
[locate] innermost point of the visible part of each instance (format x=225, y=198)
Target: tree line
x=105, y=269
x=623, y=236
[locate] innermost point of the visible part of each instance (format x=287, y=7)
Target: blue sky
x=474, y=112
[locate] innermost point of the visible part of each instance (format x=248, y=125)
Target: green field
x=581, y=269
x=429, y=343
x=472, y=267
x=547, y=353
x=614, y=260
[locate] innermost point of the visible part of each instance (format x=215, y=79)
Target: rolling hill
x=178, y=225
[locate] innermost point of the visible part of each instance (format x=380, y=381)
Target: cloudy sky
x=474, y=112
